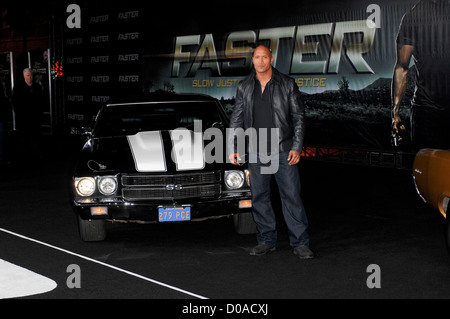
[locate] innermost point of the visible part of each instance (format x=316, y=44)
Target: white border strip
x=16, y=281
x=104, y=264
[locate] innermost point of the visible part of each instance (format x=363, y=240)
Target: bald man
x=269, y=102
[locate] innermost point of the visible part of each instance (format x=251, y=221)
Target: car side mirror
x=87, y=132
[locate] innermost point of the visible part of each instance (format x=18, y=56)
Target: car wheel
x=244, y=224
x=92, y=230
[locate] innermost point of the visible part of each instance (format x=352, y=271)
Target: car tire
x=92, y=230
x=244, y=224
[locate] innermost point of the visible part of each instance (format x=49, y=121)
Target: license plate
x=174, y=214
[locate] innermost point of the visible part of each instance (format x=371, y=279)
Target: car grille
x=170, y=187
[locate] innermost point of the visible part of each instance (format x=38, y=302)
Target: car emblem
x=171, y=187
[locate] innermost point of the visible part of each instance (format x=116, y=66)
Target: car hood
x=145, y=152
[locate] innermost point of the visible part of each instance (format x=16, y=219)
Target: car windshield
x=119, y=120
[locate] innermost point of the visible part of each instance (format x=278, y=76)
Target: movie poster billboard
x=341, y=54
x=101, y=57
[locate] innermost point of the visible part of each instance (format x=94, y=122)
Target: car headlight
x=85, y=186
x=234, y=179
x=107, y=185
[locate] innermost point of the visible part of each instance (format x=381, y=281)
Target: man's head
x=28, y=76
x=262, y=59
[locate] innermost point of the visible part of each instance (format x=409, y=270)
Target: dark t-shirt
x=427, y=28
x=262, y=115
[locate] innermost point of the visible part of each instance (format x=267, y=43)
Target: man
x=424, y=34
x=268, y=100
x=28, y=99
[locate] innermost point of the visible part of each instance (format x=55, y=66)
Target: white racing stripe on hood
x=148, y=151
x=187, y=151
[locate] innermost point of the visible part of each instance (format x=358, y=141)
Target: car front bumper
x=147, y=211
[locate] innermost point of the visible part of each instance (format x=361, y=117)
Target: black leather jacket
x=287, y=109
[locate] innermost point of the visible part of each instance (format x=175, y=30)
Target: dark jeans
x=288, y=180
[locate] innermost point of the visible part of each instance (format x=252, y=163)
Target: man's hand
x=293, y=158
x=397, y=123
x=232, y=157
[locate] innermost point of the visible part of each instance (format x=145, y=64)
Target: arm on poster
x=400, y=82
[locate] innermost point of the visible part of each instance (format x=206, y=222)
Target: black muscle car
x=159, y=158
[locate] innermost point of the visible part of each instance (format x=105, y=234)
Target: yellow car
x=431, y=173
